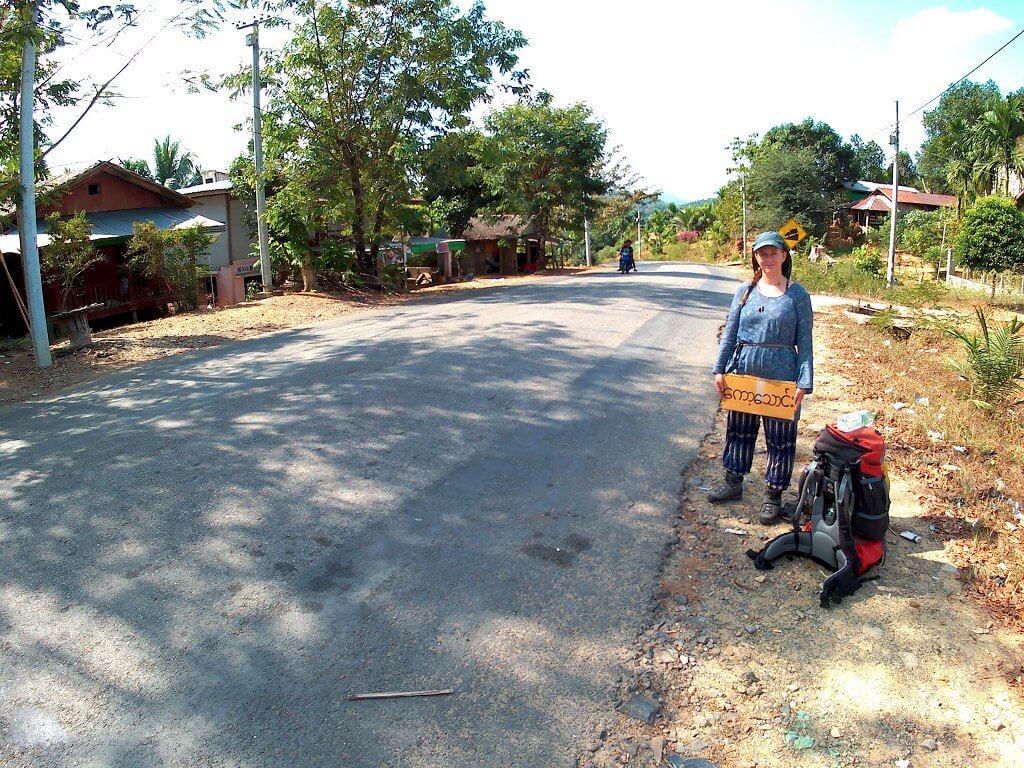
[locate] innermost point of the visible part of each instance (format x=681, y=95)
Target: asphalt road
x=201, y=558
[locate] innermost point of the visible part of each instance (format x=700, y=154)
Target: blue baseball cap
x=769, y=238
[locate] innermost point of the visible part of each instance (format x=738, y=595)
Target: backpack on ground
x=841, y=513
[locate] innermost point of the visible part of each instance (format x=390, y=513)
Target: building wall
x=114, y=194
x=215, y=207
x=242, y=240
x=236, y=243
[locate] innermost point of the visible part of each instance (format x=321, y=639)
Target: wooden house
x=873, y=208
x=113, y=199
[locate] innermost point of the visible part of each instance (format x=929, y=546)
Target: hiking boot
x=771, y=507
x=731, y=489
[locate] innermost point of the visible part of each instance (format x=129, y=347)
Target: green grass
x=848, y=278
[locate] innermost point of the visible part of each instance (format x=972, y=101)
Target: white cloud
x=935, y=32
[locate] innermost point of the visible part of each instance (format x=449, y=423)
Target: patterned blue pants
x=741, y=437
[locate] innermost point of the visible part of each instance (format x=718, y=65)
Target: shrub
x=687, y=236
x=170, y=255
x=994, y=363
x=868, y=260
x=69, y=254
x=884, y=321
x=991, y=238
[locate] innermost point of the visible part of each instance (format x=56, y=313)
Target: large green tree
x=947, y=158
x=359, y=89
x=785, y=182
x=997, y=136
x=451, y=181
x=546, y=163
x=868, y=159
x=51, y=91
x=834, y=159
x=991, y=237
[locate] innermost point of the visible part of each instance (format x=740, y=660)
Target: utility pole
x=639, y=242
x=743, y=197
x=586, y=240
x=890, y=269
x=27, y=170
x=253, y=40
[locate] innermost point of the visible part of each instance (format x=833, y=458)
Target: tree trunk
x=993, y=285
x=367, y=264
x=76, y=324
x=308, y=273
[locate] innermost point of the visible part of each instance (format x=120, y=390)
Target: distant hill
x=667, y=198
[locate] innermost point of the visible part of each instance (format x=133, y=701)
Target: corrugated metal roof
x=873, y=202
x=866, y=187
x=881, y=200
x=921, y=198
x=213, y=186
x=116, y=225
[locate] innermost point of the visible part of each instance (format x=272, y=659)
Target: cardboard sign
x=766, y=397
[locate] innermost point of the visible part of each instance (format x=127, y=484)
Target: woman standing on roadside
x=769, y=335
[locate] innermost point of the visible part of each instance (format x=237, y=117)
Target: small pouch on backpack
x=871, y=517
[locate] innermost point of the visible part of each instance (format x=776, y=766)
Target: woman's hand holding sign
x=799, y=396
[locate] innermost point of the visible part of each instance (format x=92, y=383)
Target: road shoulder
x=746, y=669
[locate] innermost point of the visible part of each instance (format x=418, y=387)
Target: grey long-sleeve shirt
x=785, y=321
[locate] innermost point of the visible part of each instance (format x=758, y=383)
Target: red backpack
x=841, y=513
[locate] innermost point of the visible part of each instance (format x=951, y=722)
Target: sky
x=674, y=81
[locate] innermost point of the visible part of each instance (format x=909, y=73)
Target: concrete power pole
x=27, y=171
x=253, y=40
x=586, y=240
x=890, y=269
x=639, y=242
x=743, y=198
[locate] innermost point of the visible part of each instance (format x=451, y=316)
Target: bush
x=991, y=238
x=994, y=363
x=869, y=260
x=845, y=278
x=170, y=255
x=70, y=253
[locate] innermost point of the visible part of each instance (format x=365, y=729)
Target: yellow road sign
x=792, y=232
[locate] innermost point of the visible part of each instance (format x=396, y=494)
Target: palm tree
x=964, y=171
x=138, y=166
x=997, y=136
x=173, y=167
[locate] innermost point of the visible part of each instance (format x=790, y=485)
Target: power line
x=952, y=85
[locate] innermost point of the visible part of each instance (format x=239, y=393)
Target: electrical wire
x=944, y=91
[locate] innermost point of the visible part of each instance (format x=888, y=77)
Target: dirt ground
x=746, y=669
x=129, y=345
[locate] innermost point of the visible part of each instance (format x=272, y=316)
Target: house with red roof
x=871, y=209
x=113, y=199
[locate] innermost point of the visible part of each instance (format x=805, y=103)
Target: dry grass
x=971, y=462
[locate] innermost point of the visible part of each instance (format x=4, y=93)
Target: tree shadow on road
x=202, y=557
